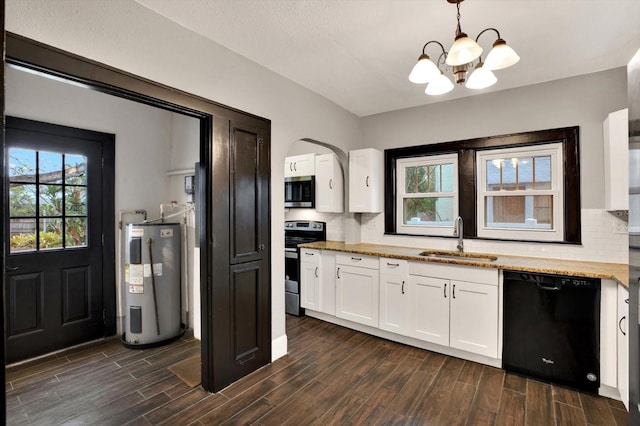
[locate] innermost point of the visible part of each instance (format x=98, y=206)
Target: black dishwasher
x=552, y=328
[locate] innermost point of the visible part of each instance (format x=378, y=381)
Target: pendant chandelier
x=459, y=59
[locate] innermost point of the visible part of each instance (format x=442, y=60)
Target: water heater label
x=136, y=274
x=136, y=289
x=136, y=232
x=157, y=269
x=166, y=233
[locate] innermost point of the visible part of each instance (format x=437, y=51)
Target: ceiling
x=358, y=53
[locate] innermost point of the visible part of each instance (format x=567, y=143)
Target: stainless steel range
x=297, y=232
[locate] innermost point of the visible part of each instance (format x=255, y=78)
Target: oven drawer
x=291, y=286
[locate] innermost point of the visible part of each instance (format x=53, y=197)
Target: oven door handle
x=291, y=254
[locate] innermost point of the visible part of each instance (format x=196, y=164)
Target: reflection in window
x=47, y=200
x=520, y=189
x=427, y=194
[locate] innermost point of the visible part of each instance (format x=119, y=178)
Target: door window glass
x=47, y=200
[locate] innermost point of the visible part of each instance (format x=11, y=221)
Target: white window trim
x=425, y=228
x=510, y=231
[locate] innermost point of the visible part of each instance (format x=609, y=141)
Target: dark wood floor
x=331, y=375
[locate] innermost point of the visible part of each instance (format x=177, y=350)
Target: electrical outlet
x=620, y=227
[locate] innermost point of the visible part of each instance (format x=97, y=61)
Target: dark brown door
x=54, y=245
x=243, y=343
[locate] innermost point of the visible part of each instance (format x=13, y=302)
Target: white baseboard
x=278, y=347
x=609, y=392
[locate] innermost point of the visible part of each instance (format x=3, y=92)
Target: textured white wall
x=126, y=35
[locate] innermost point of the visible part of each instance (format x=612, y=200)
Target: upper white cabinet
x=616, y=160
x=329, y=184
x=366, y=178
x=300, y=165
x=357, y=289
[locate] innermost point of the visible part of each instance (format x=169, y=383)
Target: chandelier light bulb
x=481, y=77
x=501, y=56
x=423, y=71
x=439, y=85
x=463, y=51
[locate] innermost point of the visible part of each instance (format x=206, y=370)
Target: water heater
x=152, y=279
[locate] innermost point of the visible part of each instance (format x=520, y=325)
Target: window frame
x=427, y=160
x=556, y=233
x=466, y=151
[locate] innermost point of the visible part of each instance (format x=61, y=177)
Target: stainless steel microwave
x=300, y=192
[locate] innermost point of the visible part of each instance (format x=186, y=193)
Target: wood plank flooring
x=331, y=375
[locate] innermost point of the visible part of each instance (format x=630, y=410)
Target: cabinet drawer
x=393, y=266
x=455, y=272
x=359, y=260
x=310, y=256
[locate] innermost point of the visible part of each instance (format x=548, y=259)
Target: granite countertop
x=578, y=268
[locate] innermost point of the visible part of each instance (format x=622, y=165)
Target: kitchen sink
x=455, y=255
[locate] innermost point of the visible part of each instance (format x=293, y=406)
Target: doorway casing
x=56, y=63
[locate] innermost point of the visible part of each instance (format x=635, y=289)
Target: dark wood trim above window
x=467, y=180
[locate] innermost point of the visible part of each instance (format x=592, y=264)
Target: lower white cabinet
x=357, y=288
x=430, y=309
x=395, y=296
x=310, y=279
x=623, y=344
x=474, y=318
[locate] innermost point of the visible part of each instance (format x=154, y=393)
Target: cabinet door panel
x=310, y=286
x=474, y=318
x=357, y=295
x=623, y=345
x=395, y=306
x=430, y=300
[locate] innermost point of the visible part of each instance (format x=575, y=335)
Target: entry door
x=54, y=244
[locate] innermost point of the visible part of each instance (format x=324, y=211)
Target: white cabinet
x=357, y=288
x=300, y=165
x=366, y=178
x=430, y=309
x=395, y=296
x=623, y=344
x=328, y=282
x=310, y=297
x=449, y=310
x=329, y=184
x=474, y=318
x=616, y=160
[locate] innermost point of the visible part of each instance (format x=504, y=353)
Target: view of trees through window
x=424, y=187
x=47, y=200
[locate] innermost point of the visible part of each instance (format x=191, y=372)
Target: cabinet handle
x=620, y=326
x=330, y=183
x=338, y=272
x=626, y=301
x=357, y=259
x=295, y=169
x=308, y=254
x=454, y=291
x=393, y=265
x=367, y=181
x=402, y=287
x=316, y=272
x=445, y=290
x=290, y=167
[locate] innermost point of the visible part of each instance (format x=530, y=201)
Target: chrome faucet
x=458, y=232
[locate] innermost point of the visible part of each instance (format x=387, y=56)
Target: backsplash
x=604, y=239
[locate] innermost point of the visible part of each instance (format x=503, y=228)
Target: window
x=520, y=193
x=47, y=200
x=520, y=186
x=427, y=193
